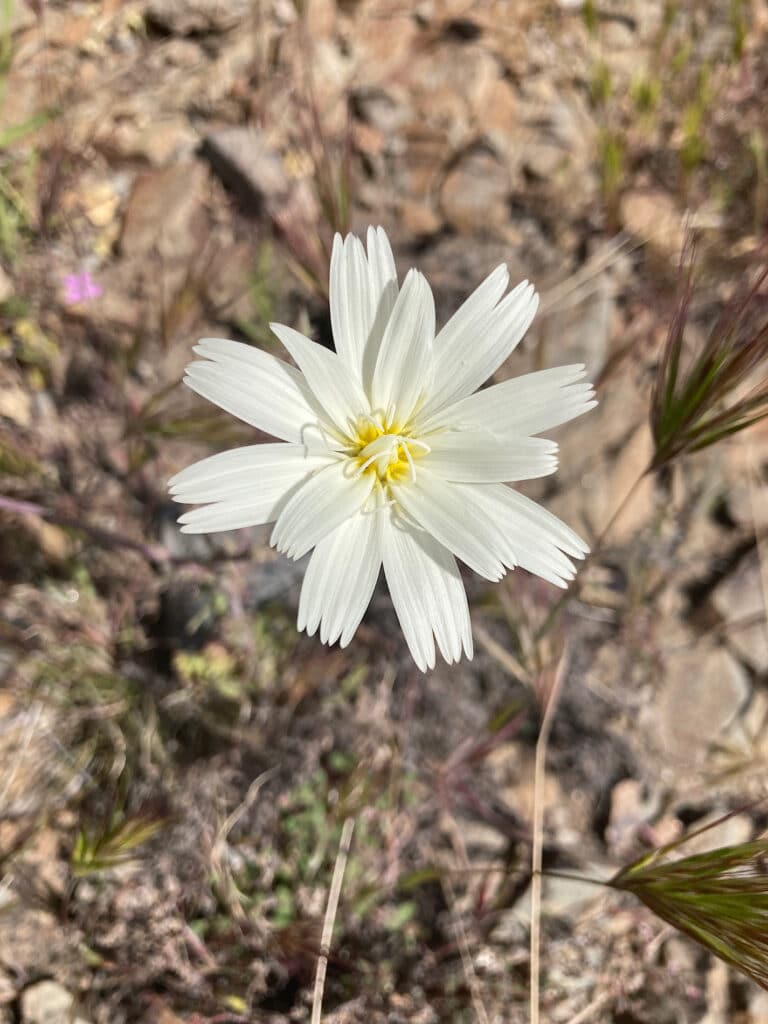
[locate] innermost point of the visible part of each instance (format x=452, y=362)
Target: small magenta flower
x=80, y=288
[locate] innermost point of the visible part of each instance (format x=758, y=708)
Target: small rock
x=23, y=16
x=7, y=991
x=563, y=897
x=16, y=404
x=475, y=193
x=703, y=691
x=483, y=841
x=166, y=212
x=653, y=217
x=6, y=286
x=679, y=955
x=630, y=809
x=228, y=278
x=272, y=580
x=157, y=142
x=48, y=1003
x=544, y=159
x=758, y=1007
x=418, y=219
x=378, y=109
x=724, y=830
x=196, y=17
x=740, y=599
x=618, y=35
x=249, y=167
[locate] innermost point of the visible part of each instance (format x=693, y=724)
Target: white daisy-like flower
x=388, y=453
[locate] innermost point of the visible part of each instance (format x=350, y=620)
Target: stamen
x=420, y=444
x=371, y=421
x=409, y=457
x=387, y=453
x=369, y=462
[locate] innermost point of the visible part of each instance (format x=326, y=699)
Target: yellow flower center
x=389, y=453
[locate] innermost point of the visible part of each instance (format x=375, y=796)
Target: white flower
x=388, y=453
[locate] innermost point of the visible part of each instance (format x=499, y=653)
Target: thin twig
x=105, y=538
x=753, y=480
x=330, y=916
x=156, y=554
x=505, y=658
x=466, y=958
x=571, y=286
x=538, y=829
x=589, y=1011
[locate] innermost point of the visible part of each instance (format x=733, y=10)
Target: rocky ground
x=175, y=761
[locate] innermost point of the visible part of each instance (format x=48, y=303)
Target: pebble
x=48, y=1002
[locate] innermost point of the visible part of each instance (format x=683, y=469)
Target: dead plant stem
x=589, y=1011
x=466, y=958
x=330, y=916
x=538, y=830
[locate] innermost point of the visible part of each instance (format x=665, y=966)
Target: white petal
x=453, y=515
x=404, y=365
x=246, y=487
x=477, y=456
x=362, y=294
x=427, y=593
x=523, y=405
x=480, y=302
x=561, y=534
x=383, y=289
x=325, y=501
x=256, y=387
x=334, y=387
x=241, y=472
x=349, y=299
x=340, y=579
x=536, y=539
x=476, y=351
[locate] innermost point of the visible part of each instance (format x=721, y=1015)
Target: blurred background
x=176, y=761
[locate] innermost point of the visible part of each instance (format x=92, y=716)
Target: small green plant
x=693, y=148
x=115, y=845
x=682, y=57
x=757, y=148
x=6, y=40
x=255, y=328
x=738, y=20
x=611, y=155
x=600, y=84
x=646, y=91
x=589, y=14
x=668, y=16
x=13, y=220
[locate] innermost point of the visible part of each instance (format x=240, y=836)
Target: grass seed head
x=701, y=398
x=719, y=899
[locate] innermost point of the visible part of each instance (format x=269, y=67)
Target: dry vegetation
x=176, y=763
